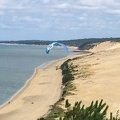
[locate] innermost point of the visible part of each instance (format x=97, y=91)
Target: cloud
x=3, y=26
x=1, y=13
x=114, y=11
x=27, y=19
x=60, y=14
x=62, y=5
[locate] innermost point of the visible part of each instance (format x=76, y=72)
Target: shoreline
x=5, y=107
x=42, y=66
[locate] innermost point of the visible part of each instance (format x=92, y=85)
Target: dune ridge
x=101, y=79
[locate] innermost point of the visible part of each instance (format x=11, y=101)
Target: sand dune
x=100, y=80
x=104, y=46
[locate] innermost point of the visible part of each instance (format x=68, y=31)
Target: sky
x=59, y=19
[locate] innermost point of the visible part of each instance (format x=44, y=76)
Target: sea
x=18, y=64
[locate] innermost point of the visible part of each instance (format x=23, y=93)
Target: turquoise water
x=18, y=63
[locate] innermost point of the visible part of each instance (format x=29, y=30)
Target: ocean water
x=18, y=64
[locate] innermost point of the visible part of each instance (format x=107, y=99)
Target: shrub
x=67, y=72
x=96, y=111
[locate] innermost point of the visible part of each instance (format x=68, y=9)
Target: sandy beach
x=100, y=81
x=36, y=98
